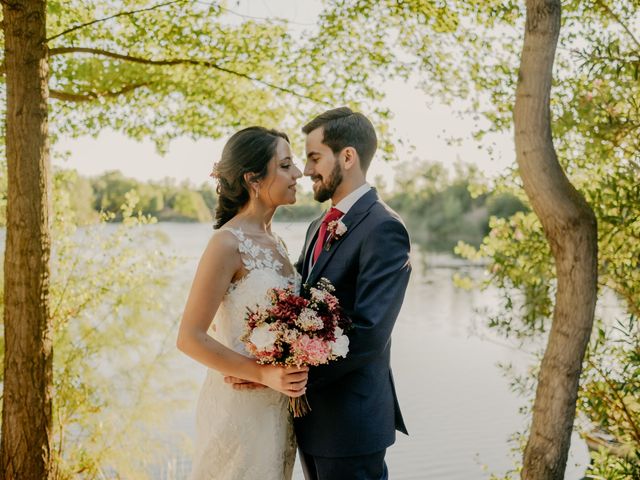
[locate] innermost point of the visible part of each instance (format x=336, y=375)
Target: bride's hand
x=291, y=381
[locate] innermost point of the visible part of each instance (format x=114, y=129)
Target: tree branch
x=179, y=61
x=252, y=17
x=586, y=56
x=90, y=96
x=78, y=27
x=622, y=407
x=619, y=20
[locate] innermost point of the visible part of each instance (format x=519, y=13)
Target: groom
x=354, y=409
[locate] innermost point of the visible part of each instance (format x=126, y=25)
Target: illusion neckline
x=256, y=257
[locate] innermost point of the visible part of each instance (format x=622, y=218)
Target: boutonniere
x=336, y=229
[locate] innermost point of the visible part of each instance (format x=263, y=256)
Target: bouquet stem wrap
x=299, y=406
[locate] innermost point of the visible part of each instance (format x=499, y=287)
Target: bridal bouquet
x=298, y=330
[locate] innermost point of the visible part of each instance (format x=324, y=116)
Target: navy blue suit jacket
x=354, y=408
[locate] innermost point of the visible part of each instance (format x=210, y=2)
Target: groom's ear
x=351, y=158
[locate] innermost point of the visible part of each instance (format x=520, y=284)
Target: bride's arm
x=219, y=264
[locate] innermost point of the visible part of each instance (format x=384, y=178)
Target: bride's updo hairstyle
x=247, y=151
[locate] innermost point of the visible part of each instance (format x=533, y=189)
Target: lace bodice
x=255, y=256
x=266, y=268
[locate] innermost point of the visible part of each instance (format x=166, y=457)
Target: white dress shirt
x=347, y=202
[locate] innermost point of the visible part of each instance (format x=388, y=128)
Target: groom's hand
x=242, y=384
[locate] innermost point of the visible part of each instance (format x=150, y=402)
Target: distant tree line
x=166, y=200
x=442, y=208
x=439, y=207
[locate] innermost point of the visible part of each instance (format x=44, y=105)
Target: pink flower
x=331, y=301
x=310, y=351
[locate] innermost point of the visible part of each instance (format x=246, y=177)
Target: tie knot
x=332, y=214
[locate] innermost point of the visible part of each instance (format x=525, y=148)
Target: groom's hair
x=346, y=128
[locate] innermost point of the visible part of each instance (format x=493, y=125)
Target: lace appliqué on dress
x=254, y=256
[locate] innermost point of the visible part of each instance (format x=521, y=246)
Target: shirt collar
x=349, y=201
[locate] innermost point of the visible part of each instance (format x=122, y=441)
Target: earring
x=257, y=191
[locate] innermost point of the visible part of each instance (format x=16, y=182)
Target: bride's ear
x=249, y=179
x=251, y=182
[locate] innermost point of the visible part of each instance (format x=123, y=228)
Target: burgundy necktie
x=332, y=214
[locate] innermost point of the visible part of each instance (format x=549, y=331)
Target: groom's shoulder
x=383, y=225
x=381, y=212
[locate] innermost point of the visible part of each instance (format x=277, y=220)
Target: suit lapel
x=315, y=226
x=353, y=217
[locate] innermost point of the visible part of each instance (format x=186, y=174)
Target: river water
x=457, y=404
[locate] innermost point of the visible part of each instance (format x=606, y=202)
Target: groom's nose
x=308, y=170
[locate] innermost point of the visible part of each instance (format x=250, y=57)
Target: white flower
x=336, y=229
x=325, y=285
x=309, y=320
x=263, y=338
x=289, y=336
x=317, y=295
x=339, y=347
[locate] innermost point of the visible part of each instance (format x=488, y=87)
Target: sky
x=423, y=124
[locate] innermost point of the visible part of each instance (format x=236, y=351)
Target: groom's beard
x=326, y=189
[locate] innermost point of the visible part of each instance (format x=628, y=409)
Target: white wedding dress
x=246, y=434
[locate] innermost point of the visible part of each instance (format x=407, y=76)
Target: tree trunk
x=570, y=227
x=26, y=413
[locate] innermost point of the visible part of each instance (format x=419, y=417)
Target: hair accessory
x=215, y=173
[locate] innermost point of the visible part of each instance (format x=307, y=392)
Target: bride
x=243, y=434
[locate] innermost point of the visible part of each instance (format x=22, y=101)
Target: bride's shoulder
x=227, y=235
x=220, y=257
x=223, y=242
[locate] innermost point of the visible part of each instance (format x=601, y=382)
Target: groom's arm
x=383, y=276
